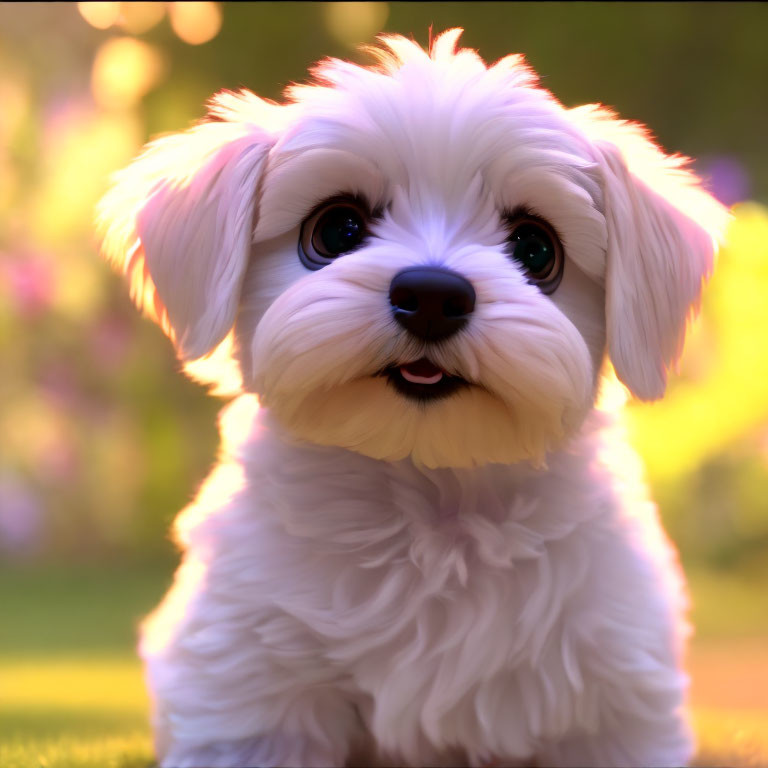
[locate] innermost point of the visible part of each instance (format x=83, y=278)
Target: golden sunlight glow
x=220, y=368
x=100, y=15
x=722, y=390
x=353, y=23
x=195, y=23
x=613, y=395
x=243, y=106
x=141, y=287
x=158, y=628
x=137, y=18
x=123, y=71
x=223, y=483
x=62, y=209
x=236, y=421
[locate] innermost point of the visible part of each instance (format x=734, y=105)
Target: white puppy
x=426, y=547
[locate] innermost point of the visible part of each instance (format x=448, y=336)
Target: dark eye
x=533, y=244
x=337, y=227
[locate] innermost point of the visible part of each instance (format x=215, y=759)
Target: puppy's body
x=427, y=548
x=340, y=607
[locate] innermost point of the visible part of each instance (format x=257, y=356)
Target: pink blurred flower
x=110, y=341
x=58, y=383
x=59, y=460
x=63, y=113
x=29, y=283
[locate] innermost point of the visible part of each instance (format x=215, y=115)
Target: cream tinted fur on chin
x=369, y=579
x=319, y=345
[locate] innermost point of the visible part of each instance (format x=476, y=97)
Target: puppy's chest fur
x=434, y=597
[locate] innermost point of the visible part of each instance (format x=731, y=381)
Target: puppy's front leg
x=628, y=741
x=201, y=724
x=235, y=684
x=640, y=720
x=281, y=749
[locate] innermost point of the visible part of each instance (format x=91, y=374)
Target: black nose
x=430, y=302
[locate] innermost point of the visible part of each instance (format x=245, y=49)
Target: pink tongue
x=421, y=372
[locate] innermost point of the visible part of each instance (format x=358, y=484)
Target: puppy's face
x=422, y=260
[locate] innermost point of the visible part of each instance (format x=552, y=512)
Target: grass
x=72, y=695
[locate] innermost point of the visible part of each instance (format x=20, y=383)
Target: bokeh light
x=133, y=17
x=137, y=18
x=195, y=22
x=100, y=15
x=124, y=70
x=352, y=23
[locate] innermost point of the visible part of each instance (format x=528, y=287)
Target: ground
x=72, y=695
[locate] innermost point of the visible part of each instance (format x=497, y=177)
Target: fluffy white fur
x=367, y=580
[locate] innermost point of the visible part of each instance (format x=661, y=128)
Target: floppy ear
x=179, y=222
x=663, y=230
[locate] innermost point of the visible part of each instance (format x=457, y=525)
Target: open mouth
x=422, y=380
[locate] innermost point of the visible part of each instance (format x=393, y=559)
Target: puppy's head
x=428, y=258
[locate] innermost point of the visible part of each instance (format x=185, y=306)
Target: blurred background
x=103, y=440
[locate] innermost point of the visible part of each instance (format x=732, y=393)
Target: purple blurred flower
x=726, y=178
x=58, y=386
x=21, y=516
